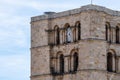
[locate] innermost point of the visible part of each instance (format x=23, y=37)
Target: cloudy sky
x=15, y=31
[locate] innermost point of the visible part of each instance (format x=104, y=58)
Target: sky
x=15, y=31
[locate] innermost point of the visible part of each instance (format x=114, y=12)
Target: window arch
x=75, y=61
x=78, y=26
x=117, y=34
x=57, y=35
x=68, y=33
x=108, y=31
x=111, y=62
x=106, y=26
x=61, y=63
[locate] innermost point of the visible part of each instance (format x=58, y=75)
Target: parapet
x=52, y=15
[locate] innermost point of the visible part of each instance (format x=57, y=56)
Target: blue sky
x=15, y=31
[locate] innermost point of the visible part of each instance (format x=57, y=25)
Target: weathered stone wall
x=40, y=61
x=39, y=36
x=92, y=48
x=97, y=25
x=92, y=53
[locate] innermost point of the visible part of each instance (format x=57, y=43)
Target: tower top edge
x=51, y=15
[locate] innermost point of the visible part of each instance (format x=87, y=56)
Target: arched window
x=117, y=34
x=79, y=31
x=68, y=33
x=108, y=32
x=57, y=35
x=75, y=61
x=109, y=62
x=61, y=63
x=106, y=26
x=77, y=34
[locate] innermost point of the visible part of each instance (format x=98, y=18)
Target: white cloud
x=15, y=61
x=15, y=65
x=14, y=33
x=14, y=29
x=13, y=37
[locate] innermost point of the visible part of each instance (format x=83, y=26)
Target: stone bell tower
x=78, y=44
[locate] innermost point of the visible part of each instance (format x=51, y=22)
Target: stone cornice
x=76, y=11
x=82, y=70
